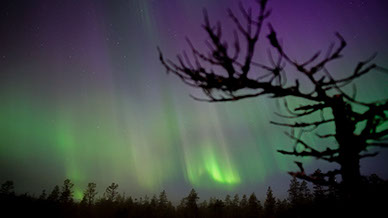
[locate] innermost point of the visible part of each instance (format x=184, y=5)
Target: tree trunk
x=349, y=146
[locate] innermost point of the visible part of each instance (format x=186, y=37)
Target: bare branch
x=233, y=98
x=303, y=124
x=325, y=179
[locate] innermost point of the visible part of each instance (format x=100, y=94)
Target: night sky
x=84, y=96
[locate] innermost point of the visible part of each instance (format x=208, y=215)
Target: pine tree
x=163, y=201
x=270, y=203
x=293, y=192
x=89, y=194
x=305, y=193
x=281, y=207
x=189, y=204
x=43, y=195
x=244, y=202
x=235, y=207
x=236, y=200
x=318, y=190
x=67, y=192
x=54, y=195
x=228, y=201
x=192, y=199
x=111, y=192
x=254, y=206
x=244, y=206
x=154, y=202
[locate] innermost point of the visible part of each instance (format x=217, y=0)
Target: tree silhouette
x=66, y=196
x=165, y=207
x=305, y=192
x=236, y=200
x=229, y=73
x=294, y=196
x=191, y=201
x=216, y=208
x=254, y=206
x=111, y=192
x=25, y=205
x=7, y=188
x=43, y=195
x=89, y=194
x=163, y=201
x=189, y=205
x=228, y=201
x=269, y=204
x=244, y=202
x=54, y=195
x=318, y=189
x=281, y=208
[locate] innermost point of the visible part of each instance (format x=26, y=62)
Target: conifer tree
x=236, y=200
x=254, y=206
x=269, y=204
x=54, y=195
x=111, y=192
x=7, y=188
x=228, y=201
x=89, y=194
x=318, y=189
x=163, y=200
x=43, y=195
x=67, y=192
x=154, y=202
x=293, y=192
x=244, y=202
x=305, y=192
x=191, y=200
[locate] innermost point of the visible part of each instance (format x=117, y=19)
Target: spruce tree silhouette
x=254, y=206
x=228, y=201
x=229, y=73
x=318, y=190
x=294, y=195
x=236, y=200
x=25, y=205
x=54, y=195
x=269, y=204
x=163, y=200
x=111, y=192
x=66, y=196
x=89, y=194
x=43, y=195
x=244, y=201
x=191, y=203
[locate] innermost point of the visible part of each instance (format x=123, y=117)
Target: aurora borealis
x=84, y=96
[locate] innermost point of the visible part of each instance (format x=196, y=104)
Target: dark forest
x=301, y=201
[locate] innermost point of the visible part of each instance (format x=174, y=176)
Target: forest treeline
x=301, y=201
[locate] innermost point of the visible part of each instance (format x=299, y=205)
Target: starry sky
x=84, y=96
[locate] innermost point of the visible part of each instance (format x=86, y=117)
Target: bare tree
x=229, y=73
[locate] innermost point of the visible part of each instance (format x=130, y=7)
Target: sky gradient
x=84, y=96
